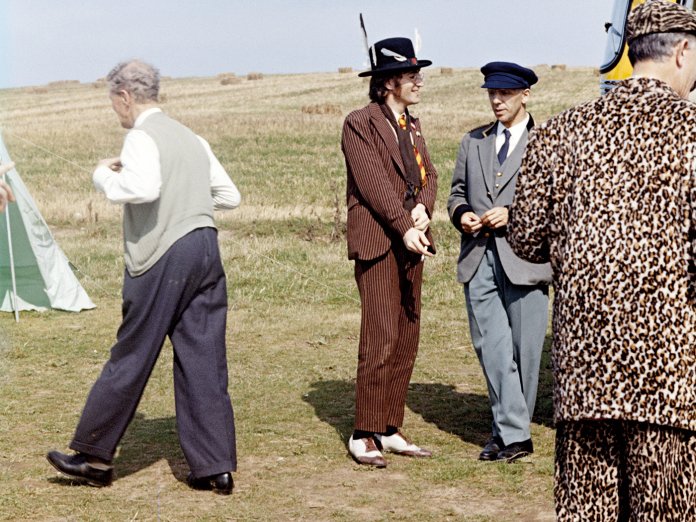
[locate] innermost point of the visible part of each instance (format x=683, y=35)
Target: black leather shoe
x=516, y=450
x=222, y=483
x=491, y=449
x=76, y=467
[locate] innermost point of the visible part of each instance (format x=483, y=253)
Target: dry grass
x=293, y=321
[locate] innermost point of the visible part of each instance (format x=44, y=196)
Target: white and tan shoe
x=400, y=445
x=365, y=451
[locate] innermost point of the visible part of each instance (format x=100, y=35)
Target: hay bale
x=558, y=67
x=100, y=84
x=228, y=79
x=323, y=108
x=64, y=83
x=255, y=76
x=446, y=71
x=344, y=70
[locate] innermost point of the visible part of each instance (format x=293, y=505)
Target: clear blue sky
x=48, y=40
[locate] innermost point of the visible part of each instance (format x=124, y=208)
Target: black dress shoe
x=491, y=449
x=516, y=450
x=222, y=483
x=76, y=467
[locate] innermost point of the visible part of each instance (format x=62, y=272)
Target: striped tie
x=419, y=158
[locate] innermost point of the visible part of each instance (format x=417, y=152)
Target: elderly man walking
x=607, y=193
x=169, y=182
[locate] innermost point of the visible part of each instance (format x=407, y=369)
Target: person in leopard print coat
x=607, y=194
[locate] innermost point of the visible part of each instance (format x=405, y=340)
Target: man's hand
x=5, y=190
x=416, y=242
x=420, y=217
x=496, y=217
x=6, y=167
x=470, y=222
x=111, y=163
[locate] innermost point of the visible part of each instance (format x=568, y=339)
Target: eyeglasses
x=414, y=77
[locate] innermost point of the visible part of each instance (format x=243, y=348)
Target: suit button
x=497, y=185
x=499, y=174
x=489, y=194
x=486, y=234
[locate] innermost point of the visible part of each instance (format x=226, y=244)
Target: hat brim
x=396, y=68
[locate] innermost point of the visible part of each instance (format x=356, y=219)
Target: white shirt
x=140, y=178
x=515, y=134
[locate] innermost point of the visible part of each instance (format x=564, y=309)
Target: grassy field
x=293, y=320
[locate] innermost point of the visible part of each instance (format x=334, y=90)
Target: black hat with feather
x=392, y=55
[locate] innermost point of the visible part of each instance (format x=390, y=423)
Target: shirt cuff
x=100, y=176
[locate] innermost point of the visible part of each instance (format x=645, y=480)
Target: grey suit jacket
x=479, y=184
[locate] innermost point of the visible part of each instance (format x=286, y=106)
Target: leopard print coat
x=607, y=194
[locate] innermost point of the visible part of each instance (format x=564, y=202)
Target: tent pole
x=12, y=267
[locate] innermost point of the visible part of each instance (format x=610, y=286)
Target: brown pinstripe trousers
x=390, y=296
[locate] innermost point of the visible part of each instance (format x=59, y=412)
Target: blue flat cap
x=507, y=75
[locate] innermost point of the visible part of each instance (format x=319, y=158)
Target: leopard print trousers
x=624, y=471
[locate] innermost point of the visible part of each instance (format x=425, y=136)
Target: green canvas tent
x=30, y=259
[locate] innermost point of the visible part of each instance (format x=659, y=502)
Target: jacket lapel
x=388, y=136
x=514, y=160
x=487, y=157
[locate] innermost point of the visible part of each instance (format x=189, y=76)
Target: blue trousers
x=183, y=296
x=508, y=326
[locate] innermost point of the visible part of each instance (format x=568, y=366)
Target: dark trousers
x=390, y=296
x=183, y=296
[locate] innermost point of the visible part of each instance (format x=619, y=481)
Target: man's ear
x=681, y=49
x=125, y=96
x=525, y=96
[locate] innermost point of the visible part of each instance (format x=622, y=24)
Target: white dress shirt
x=515, y=134
x=140, y=178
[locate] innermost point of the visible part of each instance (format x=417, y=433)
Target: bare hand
x=470, y=222
x=5, y=195
x=111, y=163
x=6, y=167
x=420, y=217
x=496, y=217
x=416, y=241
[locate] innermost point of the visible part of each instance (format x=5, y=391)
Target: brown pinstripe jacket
x=376, y=183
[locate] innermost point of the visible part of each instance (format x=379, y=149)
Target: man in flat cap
x=506, y=297
x=607, y=194
x=391, y=191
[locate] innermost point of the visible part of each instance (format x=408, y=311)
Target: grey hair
x=138, y=78
x=656, y=47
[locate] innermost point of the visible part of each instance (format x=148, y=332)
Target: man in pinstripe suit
x=391, y=191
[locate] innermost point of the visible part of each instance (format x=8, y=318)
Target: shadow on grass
x=333, y=403
x=543, y=413
x=148, y=441
x=466, y=415
x=145, y=442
